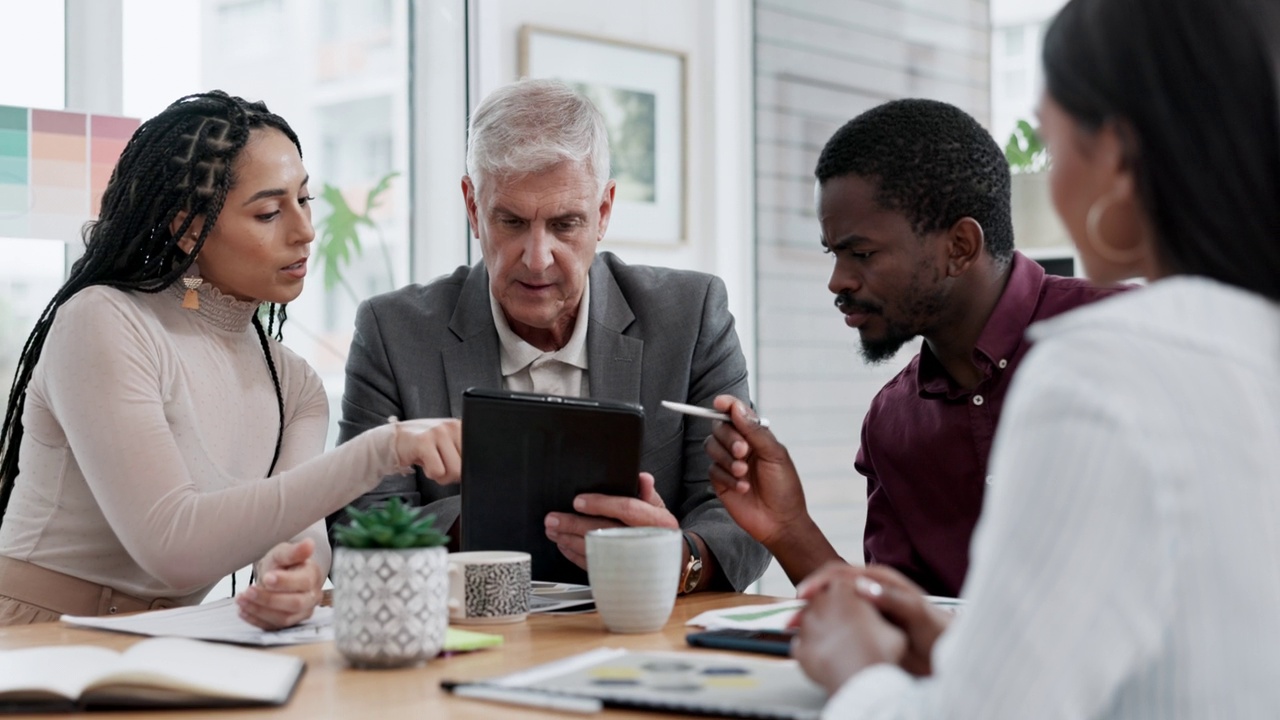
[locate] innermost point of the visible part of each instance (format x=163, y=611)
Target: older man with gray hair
x=544, y=312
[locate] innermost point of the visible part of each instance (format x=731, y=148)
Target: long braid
x=275, y=379
x=176, y=165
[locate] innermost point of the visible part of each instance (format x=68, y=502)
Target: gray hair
x=533, y=125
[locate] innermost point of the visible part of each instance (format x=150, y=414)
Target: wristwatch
x=692, y=574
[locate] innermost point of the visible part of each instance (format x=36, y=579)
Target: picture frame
x=641, y=91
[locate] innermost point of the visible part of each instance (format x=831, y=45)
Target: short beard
x=880, y=351
x=921, y=309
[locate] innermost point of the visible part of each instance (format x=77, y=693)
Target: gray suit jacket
x=655, y=334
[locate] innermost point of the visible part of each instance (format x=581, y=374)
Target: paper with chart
x=219, y=621
x=703, y=683
x=773, y=616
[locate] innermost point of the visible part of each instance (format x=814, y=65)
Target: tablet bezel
x=508, y=434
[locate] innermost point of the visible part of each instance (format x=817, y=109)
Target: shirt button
x=1003, y=364
x=990, y=479
x=977, y=400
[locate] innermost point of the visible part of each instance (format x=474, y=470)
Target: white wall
x=715, y=36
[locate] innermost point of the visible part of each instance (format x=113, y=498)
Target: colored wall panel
x=105, y=150
x=13, y=200
x=13, y=143
x=108, y=137
x=54, y=166
x=13, y=118
x=108, y=126
x=59, y=173
x=14, y=171
x=60, y=201
x=57, y=146
x=58, y=121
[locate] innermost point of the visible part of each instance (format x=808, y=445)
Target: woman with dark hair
x=156, y=437
x=1127, y=561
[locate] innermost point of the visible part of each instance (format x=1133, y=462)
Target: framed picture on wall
x=640, y=90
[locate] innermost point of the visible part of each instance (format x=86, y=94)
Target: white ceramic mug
x=633, y=573
x=489, y=587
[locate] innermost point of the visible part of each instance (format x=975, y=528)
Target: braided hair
x=177, y=164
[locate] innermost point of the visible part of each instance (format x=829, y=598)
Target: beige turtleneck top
x=149, y=430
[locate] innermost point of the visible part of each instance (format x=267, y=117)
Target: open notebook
x=700, y=683
x=163, y=672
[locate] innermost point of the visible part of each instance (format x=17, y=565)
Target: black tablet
x=525, y=455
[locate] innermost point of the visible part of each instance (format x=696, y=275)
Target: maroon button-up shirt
x=925, y=440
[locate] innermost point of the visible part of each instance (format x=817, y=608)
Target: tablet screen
x=526, y=454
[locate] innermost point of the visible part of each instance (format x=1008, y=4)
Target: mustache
x=847, y=303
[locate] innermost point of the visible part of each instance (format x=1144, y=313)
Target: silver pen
x=703, y=412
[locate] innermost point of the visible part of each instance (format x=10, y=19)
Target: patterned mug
x=489, y=587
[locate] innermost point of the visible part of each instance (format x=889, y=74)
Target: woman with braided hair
x=157, y=437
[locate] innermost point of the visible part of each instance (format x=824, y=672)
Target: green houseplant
x=390, y=586
x=1035, y=223
x=1025, y=150
x=338, y=235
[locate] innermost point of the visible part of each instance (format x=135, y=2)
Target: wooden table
x=330, y=688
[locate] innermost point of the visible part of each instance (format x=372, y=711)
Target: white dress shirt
x=525, y=368
x=1127, y=562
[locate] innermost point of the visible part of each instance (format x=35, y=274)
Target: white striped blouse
x=1127, y=563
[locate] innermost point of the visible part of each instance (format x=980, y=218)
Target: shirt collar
x=1002, y=334
x=517, y=354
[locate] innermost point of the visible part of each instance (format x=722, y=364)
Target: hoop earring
x=1093, y=234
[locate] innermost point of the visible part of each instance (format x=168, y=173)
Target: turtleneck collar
x=221, y=311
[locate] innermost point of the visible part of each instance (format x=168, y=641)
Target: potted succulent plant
x=390, y=586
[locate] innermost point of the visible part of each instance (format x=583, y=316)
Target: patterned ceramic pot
x=390, y=606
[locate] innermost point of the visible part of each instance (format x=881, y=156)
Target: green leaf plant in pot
x=390, y=586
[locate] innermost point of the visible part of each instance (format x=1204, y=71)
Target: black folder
x=527, y=454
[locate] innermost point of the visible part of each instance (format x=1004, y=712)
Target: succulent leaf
x=390, y=525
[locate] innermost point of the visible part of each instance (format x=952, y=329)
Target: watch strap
x=692, y=572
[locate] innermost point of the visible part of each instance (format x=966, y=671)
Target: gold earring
x=191, y=299
x=1093, y=233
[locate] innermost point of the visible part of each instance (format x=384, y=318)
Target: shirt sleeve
x=121, y=439
x=305, y=430
x=1071, y=589
x=719, y=368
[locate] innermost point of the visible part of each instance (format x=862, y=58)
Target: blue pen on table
x=525, y=698
x=702, y=412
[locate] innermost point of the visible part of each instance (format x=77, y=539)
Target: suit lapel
x=475, y=360
x=613, y=359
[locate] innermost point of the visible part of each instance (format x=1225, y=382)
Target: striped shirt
x=1127, y=562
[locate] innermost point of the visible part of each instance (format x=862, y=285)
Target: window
x=248, y=29
x=345, y=114
x=1013, y=41
x=1014, y=83
x=30, y=275
x=32, y=269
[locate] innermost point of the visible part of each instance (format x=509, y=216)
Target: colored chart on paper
x=54, y=166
